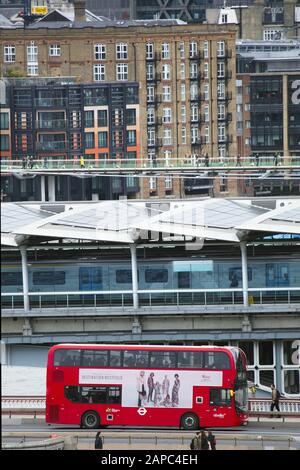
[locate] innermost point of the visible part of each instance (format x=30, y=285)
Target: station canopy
x=125, y=221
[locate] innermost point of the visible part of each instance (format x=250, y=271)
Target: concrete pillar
x=134, y=276
x=43, y=188
x=51, y=188
x=243, y=246
x=23, y=252
x=27, y=329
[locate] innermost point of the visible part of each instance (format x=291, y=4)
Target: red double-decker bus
x=185, y=387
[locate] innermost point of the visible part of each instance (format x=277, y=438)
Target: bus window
x=190, y=359
x=216, y=360
x=93, y=394
x=136, y=359
x=114, y=395
x=95, y=358
x=219, y=397
x=72, y=393
x=115, y=358
x=165, y=359
x=67, y=357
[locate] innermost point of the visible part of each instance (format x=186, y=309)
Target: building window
x=193, y=49
x=181, y=50
x=102, y=118
x=167, y=115
x=150, y=72
x=291, y=382
x=167, y=136
x=221, y=90
x=167, y=156
x=32, y=70
x=4, y=121
x=206, y=113
x=183, y=113
x=222, y=151
x=206, y=135
x=206, y=70
x=150, y=94
x=149, y=51
x=151, y=137
x=150, y=116
x=194, y=113
x=54, y=50
x=194, y=91
x=152, y=183
x=221, y=133
x=193, y=70
x=224, y=18
x=88, y=118
x=168, y=182
x=223, y=183
x=131, y=137
x=121, y=51
x=166, y=72
x=182, y=92
x=122, y=72
x=89, y=140
x=99, y=72
x=194, y=134
x=206, y=92
x=206, y=50
x=221, y=69
x=9, y=53
x=221, y=111
x=166, y=94
x=183, y=135
x=131, y=117
x=4, y=142
x=32, y=53
x=221, y=49
x=165, y=51
x=182, y=71
x=100, y=51
x=272, y=35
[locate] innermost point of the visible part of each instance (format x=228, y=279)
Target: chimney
x=79, y=10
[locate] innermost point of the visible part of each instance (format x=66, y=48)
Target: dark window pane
x=67, y=357
x=292, y=381
x=220, y=397
x=49, y=278
x=123, y=276
x=216, y=360
x=95, y=358
x=156, y=275
x=266, y=377
x=115, y=358
x=248, y=348
x=11, y=279
x=163, y=359
x=266, y=353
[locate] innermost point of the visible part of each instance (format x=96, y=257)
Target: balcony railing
x=50, y=102
x=51, y=146
x=51, y=124
x=149, y=298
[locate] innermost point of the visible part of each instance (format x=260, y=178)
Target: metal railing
x=191, y=162
x=149, y=298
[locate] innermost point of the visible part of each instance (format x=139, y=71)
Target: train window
x=156, y=275
x=49, y=278
x=235, y=274
x=11, y=279
x=123, y=276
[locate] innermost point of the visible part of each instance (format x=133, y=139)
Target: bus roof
x=142, y=347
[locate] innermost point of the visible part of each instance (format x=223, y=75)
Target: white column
x=23, y=251
x=51, y=188
x=134, y=276
x=243, y=246
x=43, y=189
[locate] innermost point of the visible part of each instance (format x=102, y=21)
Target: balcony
x=53, y=124
x=50, y=102
x=197, y=142
x=195, y=77
x=154, y=78
x=51, y=146
x=155, y=143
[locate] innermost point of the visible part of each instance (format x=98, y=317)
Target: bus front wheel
x=90, y=420
x=190, y=421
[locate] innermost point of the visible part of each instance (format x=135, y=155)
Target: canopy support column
x=134, y=276
x=243, y=246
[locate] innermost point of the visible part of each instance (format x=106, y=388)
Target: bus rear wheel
x=90, y=420
x=190, y=421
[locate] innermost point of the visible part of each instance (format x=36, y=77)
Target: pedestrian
x=24, y=162
x=31, y=162
x=81, y=162
x=204, y=441
x=206, y=160
x=98, y=441
x=196, y=442
x=275, y=398
x=238, y=160
x=45, y=162
x=211, y=440
x=257, y=159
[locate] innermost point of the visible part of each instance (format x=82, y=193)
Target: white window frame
x=206, y=92
x=193, y=70
x=150, y=72
x=194, y=112
x=121, y=51
x=99, y=51
x=54, y=50
x=166, y=94
x=206, y=113
x=193, y=49
x=150, y=115
x=168, y=182
x=207, y=135
x=221, y=111
x=166, y=72
x=151, y=136
x=206, y=49
x=165, y=51
x=221, y=90
x=222, y=151
x=32, y=53
x=167, y=136
x=183, y=92
x=152, y=183
x=181, y=50
x=99, y=72
x=224, y=18
x=221, y=132
x=194, y=90
x=150, y=94
x=32, y=70
x=182, y=71
x=167, y=116
x=206, y=70
x=220, y=48
x=122, y=72
x=9, y=53
x=272, y=34
x=220, y=69
x=183, y=135
x=167, y=156
x=149, y=50
x=183, y=113
x=194, y=134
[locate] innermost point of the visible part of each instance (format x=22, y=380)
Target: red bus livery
x=181, y=386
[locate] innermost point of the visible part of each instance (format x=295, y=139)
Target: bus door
x=221, y=406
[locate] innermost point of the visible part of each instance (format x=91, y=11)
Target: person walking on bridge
x=275, y=398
